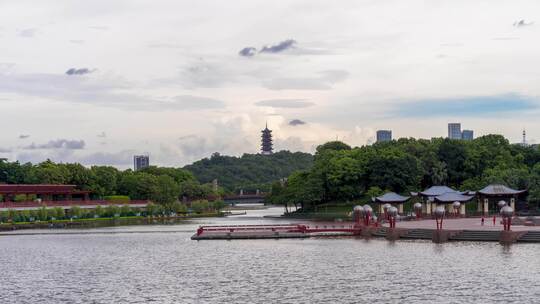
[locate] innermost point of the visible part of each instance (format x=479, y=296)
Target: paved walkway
x=463, y=224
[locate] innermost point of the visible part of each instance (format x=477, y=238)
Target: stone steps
x=425, y=234
x=475, y=235
x=381, y=232
x=530, y=236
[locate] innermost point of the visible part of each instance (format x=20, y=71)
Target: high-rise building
x=140, y=162
x=384, y=135
x=454, y=130
x=467, y=135
x=266, y=141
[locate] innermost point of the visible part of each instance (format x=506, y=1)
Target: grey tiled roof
x=391, y=197
x=499, y=190
x=453, y=197
x=437, y=190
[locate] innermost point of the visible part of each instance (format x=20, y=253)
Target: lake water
x=160, y=264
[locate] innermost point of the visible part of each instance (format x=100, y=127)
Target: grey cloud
x=102, y=135
x=324, y=81
x=296, y=122
x=27, y=33
x=58, y=144
x=99, y=27
x=81, y=71
x=23, y=136
x=76, y=41
x=122, y=158
x=522, y=23
x=203, y=74
x=280, y=47
x=248, y=52
x=284, y=103
x=5, y=150
x=98, y=92
x=188, y=102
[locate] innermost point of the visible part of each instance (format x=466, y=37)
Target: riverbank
x=105, y=222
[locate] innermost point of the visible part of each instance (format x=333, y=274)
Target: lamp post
x=392, y=214
x=358, y=212
x=439, y=216
x=367, y=214
x=456, y=206
x=507, y=212
x=385, y=209
x=418, y=210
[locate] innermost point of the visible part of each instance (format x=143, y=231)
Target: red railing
x=67, y=203
x=302, y=228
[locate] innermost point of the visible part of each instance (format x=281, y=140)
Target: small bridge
x=244, y=199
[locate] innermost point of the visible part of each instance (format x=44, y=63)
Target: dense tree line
x=342, y=173
x=251, y=171
x=159, y=184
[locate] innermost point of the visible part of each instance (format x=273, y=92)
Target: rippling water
x=160, y=264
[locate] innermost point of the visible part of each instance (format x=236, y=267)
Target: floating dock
x=273, y=231
x=235, y=232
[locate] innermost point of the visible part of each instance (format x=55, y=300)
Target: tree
x=167, y=190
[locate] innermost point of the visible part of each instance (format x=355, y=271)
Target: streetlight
x=439, y=216
x=386, y=207
x=456, y=206
x=418, y=210
x=507, y=213
x=367, y=214
x=392, y=214
x=358, y=212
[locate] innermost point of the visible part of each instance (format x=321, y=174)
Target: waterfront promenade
x=462, y=224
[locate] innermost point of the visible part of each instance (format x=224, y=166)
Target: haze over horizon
x=96, y=82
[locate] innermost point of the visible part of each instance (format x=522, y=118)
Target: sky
x=98, y=81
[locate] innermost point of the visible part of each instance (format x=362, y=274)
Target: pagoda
x=266, y=145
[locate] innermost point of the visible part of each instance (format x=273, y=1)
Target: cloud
x=280, y=47
x=76, y=41
x=188, y=102
x=23, y=136
x=522, y=23
x=81, y=71
x=102, y=92
x=27, y=33
x=5, y=150
x=99, y=27
x=466, y=106
x=102, y=135
x=248, y=52
x=296, y=122
x=285, y=103
x=204, y=74
x=324, y=81
x=122, y=158
x=58, y=144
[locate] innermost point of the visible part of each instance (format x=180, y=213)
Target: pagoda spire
x=266, y=141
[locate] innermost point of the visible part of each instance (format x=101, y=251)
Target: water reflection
x=141, y=264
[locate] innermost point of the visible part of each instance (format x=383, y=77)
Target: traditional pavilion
x=43, y=192
x=435, y=195
x=448, y=199
x=489, y=196
x=393, y=199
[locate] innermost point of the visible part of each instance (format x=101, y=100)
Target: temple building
x=489, y=197
x=266, y=145
x=393, y=199
x=442, y=195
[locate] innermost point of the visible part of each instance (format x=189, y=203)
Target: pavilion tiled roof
x=391, y=197
x=499, y=190
x=437, y=190
x=451, y=197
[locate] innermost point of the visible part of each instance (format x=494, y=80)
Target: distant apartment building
x=384, y=135
x=467, y=135
x=141, y=162
x=454, y=130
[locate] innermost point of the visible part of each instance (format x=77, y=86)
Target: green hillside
x=251, y=171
